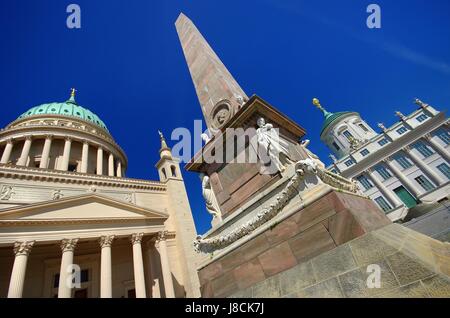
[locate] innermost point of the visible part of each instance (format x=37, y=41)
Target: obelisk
x=219, y=94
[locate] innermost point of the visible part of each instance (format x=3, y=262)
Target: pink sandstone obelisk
x=219, y=94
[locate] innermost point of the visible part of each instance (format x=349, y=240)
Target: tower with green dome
x=343, y=131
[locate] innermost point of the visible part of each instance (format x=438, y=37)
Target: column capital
x=49, y=136
x=136, y=238
x=28, y=137
x=23, y=248
x=162, y=235
x=9, y=140
x=85, y=142
x=67, y=138
x=68, y=245
x=427, y=136
x=106, y=240
x=407, y=148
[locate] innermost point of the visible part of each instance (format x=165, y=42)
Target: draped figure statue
x=210, y=199
x=272, y=149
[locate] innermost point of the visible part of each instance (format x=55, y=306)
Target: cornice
x=25, y=222
x=48, y=175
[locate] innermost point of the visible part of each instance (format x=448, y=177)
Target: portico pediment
x=87, y=207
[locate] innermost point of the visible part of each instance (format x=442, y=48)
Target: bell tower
x=168, y=166
x=180, y=217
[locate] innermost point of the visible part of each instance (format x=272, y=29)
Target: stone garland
x=301, y=168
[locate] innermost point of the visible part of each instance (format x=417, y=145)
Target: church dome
x=68, y=108
x=330, y=118
x=62, y=136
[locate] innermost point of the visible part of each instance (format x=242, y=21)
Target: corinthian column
x=119, y=169
x=105, y=267
x=438, y=147
x=66, y=154
x=425, y=168
x=65, y=273
x=393, y=199
x=25, y=152
x=403, y=179
x=85, y=157
x=111, y=165
x=100, y=161
x=21, y=250
x=7, y=152
x=167, y=274
x=46, y=152
x=138, y=264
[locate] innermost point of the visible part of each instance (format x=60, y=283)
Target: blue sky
x=128, y=67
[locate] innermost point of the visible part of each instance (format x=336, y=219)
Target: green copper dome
x=329, y=117
x=68, y=108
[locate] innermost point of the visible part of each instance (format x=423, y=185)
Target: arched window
x=174, y=171
x=164, y=173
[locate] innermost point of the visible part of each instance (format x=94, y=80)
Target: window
x=364, y=152
x=444, y=169
x=363, y=127
x=72, y=167
x=347, y=134
x=401, y=130
x=349, y=162
x=174, y=171
x=443, y=135
x=421, y=118
x=383, y=172
x=334, y=171
x=164, y=173
x=383, y=141
x=403, y=161
x=383, y=204
x=424, y=183
x=365, y=182
x=335, y=145
x=424, y=150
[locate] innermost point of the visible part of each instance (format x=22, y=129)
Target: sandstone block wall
x=412, y=265
x=320, y=227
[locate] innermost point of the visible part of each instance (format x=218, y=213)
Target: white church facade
x=68, y=211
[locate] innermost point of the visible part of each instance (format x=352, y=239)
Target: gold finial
x=72, y=92
x=316, y=103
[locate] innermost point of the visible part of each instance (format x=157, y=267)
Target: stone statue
x=6, y=193
x=210, y=199
x=304, y=144
x=354, y=143
x=271, y=146
x=400, y=115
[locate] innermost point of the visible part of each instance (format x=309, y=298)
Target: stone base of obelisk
x=324, y=250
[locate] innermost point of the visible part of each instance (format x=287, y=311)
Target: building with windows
x=67, y=209
x=400, y=167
